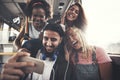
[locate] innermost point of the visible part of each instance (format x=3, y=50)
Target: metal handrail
x=7, y=53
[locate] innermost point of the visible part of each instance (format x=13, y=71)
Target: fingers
x=15, y=57
x=23, y=50
x=63, y=18
x=18, y=65
x=9, y=77
x=64, y=14
x=13, y=72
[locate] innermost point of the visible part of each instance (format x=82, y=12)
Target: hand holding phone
x=39, y=64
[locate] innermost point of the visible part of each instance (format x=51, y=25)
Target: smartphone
x=39, y=64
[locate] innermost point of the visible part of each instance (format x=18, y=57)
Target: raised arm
x=17, y=41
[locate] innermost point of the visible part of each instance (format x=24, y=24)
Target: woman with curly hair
x=38, y=11
x=74, y=16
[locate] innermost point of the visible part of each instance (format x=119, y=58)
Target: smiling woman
x=91, y=62
x=103, y=23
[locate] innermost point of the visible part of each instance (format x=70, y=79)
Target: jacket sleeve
x=33, y=46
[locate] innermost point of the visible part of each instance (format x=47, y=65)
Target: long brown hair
x=81, y=21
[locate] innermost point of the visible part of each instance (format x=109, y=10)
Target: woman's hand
x=63, y=19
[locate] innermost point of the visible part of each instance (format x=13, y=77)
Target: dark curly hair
x=81, y=21
x=38, y=4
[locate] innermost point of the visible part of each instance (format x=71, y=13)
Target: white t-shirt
x=33, y=33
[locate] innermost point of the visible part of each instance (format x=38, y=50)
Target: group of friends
x=61, y=46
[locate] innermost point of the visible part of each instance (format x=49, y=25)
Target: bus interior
x=12, y=15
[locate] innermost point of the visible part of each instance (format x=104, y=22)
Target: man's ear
x=61, y=39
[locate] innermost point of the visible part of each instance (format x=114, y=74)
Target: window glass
x=103, y=23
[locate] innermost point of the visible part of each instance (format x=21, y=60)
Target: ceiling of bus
x=13, y=8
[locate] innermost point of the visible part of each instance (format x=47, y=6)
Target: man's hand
x=12, y=70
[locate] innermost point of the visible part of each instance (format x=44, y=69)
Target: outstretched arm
x=12, y=69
